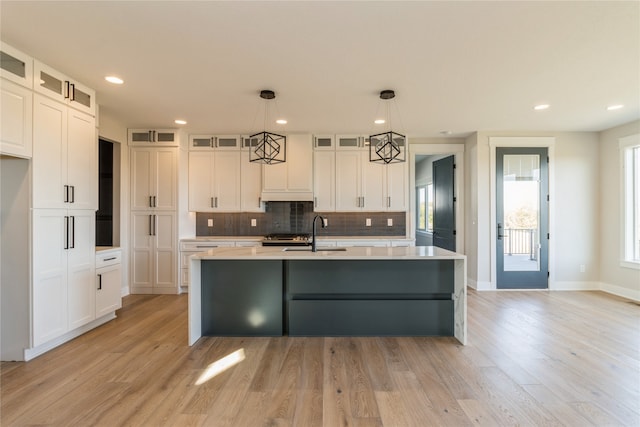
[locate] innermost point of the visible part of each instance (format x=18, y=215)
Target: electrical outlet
x=389, y=222
x=210, y=222
x=326, y=221
x=367, y=222
x=254, y=222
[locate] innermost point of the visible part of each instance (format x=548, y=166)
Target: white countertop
x=259, y=238
x=350, y=253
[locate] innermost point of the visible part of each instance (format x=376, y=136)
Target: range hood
x=287, y=196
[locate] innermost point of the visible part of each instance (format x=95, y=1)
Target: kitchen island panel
x=242, y=298
x=370, y=317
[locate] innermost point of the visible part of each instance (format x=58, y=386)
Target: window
x=425, y=207
x=630, y=153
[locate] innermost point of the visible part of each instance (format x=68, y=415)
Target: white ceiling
x=455, y=66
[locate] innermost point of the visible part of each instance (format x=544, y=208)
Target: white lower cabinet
x=108, y=282
x=153, y=253
x=63, y=272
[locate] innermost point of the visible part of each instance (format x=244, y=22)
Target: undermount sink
x=318, y=250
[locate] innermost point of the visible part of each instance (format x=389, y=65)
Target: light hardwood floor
x=534, y=358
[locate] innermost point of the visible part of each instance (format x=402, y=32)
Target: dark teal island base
x=329, y=297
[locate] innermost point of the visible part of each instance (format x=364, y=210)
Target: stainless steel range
x=287, y=239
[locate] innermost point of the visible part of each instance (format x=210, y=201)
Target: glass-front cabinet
x=16, y=66
x=167, y=137
x=219, y=142
x=60, y=87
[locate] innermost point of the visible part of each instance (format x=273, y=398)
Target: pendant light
x=269, y=148
x=387, y=147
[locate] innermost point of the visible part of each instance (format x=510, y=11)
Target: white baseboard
x=633, y=294
x=30, y=353
x=125, y=291
x=574, y=286
x=479, y=286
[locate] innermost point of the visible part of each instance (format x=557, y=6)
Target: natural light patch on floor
x=221, y=365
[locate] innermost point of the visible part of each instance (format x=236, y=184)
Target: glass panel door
x=522, y=218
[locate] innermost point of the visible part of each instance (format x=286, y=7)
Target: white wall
x=614, y=278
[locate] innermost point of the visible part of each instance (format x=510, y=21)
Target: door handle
x=155, y=220
x=73, y=232
x=150, y=201
x=155, y=204
x=150, y=225
x=212, y=203
x=66, y=194
x=73, y=193
x=500, y=235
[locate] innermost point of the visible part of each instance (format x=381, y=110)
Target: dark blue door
x=444, y=215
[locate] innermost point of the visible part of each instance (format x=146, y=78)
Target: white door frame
x=432, y=149
x=522, y=141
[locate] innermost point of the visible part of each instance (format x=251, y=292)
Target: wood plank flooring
x=533, y=359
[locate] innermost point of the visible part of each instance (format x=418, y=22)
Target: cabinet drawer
x=108, y=258
x=196, y=247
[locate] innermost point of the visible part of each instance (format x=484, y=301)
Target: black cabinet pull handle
x=72, y=92
x=66, y=232
x=99, y=281
x=66, y=89
x=73, y=193
x=109, y=259
x=73, y=232
x=66, y=194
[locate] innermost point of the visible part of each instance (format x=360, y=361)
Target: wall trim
x=574, y=286
x=621, y=291
x=479, y=286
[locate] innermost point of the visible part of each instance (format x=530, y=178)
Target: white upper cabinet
x=214, y=181
x=218, y=142
x=362, y=185
x=153, y=137
x=293, y=179
x=64, y=157
x=60, y=87
x=153, y=178
x=324, y=181
x=16, y=66
x=16, y=119
x=250, y=184
x=324, y=142
x=352, y=142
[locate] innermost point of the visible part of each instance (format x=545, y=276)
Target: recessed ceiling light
x=281, y=121
x=615, y=107
x=180, y=122
x=541, y=107
x=379, y=121
x=115, y=80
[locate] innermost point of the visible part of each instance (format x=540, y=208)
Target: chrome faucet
x=314, y=248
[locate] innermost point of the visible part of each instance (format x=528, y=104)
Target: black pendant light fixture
x=387, y=147
x=270, y=148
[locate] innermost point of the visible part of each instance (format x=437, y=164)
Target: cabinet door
x=82, y=168
x=49, y=291
x=165, y=253
x=226, y=181
x=228, y=142
x=153, y=178
x=81, y=268
x=142, y=252
x=16, y=66
x=373, y=185
x=348, y=176
x=167, y=137
x=348, y=142
x=49, y=153
x=50, y=82
x=165, y=178
x=397, y=193
x=16, y=119
x=82, y=98
x=141, y=178
x=201, y=195
x=324, y=181
x=299, y=163
x=250, y=184
x=108, y=284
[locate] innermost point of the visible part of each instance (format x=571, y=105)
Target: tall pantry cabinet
x=154, y=195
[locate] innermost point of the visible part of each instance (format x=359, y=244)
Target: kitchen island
x=355, y=291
